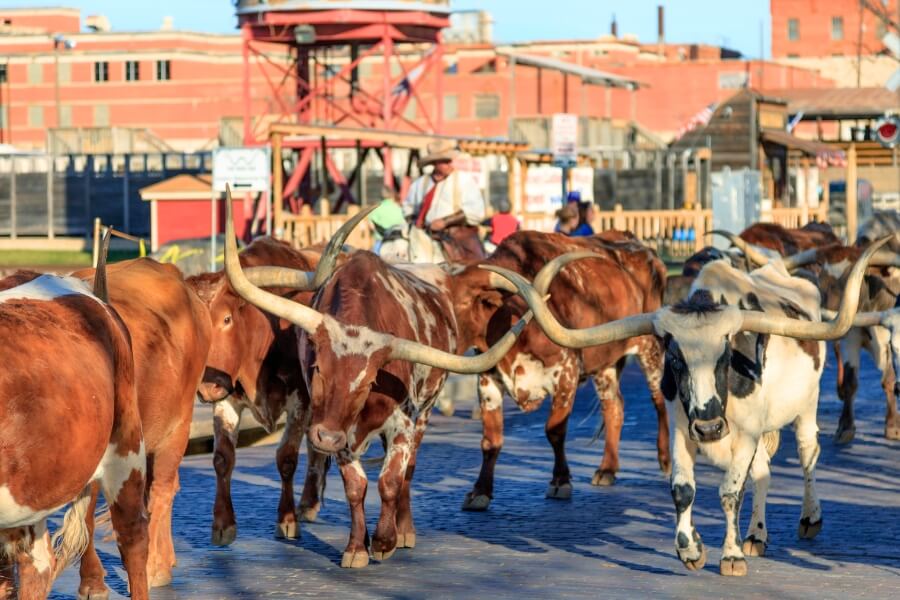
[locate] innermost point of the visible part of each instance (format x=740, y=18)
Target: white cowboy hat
x=437, y=151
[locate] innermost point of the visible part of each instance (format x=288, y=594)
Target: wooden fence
x=671, y=232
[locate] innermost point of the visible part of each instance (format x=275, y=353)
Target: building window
x=64, y=72
x=837, y=28
x=65, y=116
x=451, y=108
x=163, y=70
x=3, y=119
x=3, y=73
x=880, y=29
x=793, y=30
x=101, y=115
x=35, y=116
x=35, y=73
x=132, y=71
x=487, y=106
x=101, y=71
x=452, y=69
x=735, y=80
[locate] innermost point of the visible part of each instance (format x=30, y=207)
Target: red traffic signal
x=887, y=131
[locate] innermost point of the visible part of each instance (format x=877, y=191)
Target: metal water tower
x=320, y=57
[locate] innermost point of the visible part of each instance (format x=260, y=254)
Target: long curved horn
x=800, y=259
x=749, y=250
x=329, y=257
x=829, y=330
x=403, y=349
x=304, y=280
x=298, y=314
x=545, y=276
x=885, y=258
x=574, y=338
x=501, y=283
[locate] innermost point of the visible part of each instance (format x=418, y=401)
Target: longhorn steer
x=633, y=280
x=170, y=332
x=252, y=364
x=789, y=241
x=739, y=377
x=374, y=349
x=67, y=372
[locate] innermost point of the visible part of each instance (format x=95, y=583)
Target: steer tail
x=100, y=273
x=771, y=440
x=71, y=540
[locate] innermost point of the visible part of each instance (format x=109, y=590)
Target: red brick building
x=817, y=28
x=179, y=86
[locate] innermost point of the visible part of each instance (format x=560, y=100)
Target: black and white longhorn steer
x=743, y=361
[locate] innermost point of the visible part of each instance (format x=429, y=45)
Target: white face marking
x=48, y=287
x=13, y=514
x=114, y=470
x=352, y=340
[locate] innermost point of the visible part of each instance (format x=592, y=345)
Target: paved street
x=613, y=542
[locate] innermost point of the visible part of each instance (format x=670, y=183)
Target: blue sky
x=733, y=23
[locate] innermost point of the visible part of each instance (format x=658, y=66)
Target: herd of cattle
x=353, y=349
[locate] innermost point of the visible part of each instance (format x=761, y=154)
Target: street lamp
x=59, y=40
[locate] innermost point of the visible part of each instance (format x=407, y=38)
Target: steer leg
x=356, y=554
x=879, y=346
x=731, y=495
x=400, y=436
x=36, y=565
x=490, y=398
x=607, y=385
x=757, y=538
x=560, y=487
x=123, y=488
x=406, y=530
x=286, y=458
x=850, y=348
x=650, y=359
x=163, y=487
x=91, y=571
x=688, y=544
x=808, y=447
x=314, y=484
x=226, y=424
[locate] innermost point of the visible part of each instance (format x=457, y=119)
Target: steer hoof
x=808, y=530
x=754, y=547
x=406, y=540
x=308, y=514
x=161, y=579
x=476, y=502
x=355, y=560
x=559, y=492
x=383, y=555
x=733, y=567
x=697, y=563
x=223, y=537
x=100, y=593
x=603, y=478
x=844, y=434
x=288, y=530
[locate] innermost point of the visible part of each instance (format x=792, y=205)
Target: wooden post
x=851, y=194
x=277, y=186
x=96, y=249
x=618, y=218
x=699, y=228
x=511, y=183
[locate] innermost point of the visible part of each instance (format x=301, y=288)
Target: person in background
x=585, y=216
x=568, y=219
x=503, y=224
x=388, y=215
x=447, y=205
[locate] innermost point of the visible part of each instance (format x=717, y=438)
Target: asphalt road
x=605, y=542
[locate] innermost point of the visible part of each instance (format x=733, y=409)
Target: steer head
x=345, y=360
x=698, y=337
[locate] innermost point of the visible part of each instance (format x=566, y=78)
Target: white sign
x=473, y=166
x=543, y=190
x=583, y=182
x=564, y=138
x=244, y=169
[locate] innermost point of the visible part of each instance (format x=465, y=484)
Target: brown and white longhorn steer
x=375, y=346
x=170, y=333
x=625, y=278
x=68, y=417
x=252, y=364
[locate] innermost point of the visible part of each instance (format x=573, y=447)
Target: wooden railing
x=675, y=233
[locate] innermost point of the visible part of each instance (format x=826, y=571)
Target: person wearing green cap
x=388, y=215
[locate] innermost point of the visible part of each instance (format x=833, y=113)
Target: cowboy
x=447, y=205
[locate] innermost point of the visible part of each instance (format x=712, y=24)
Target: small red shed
x=180, y=208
